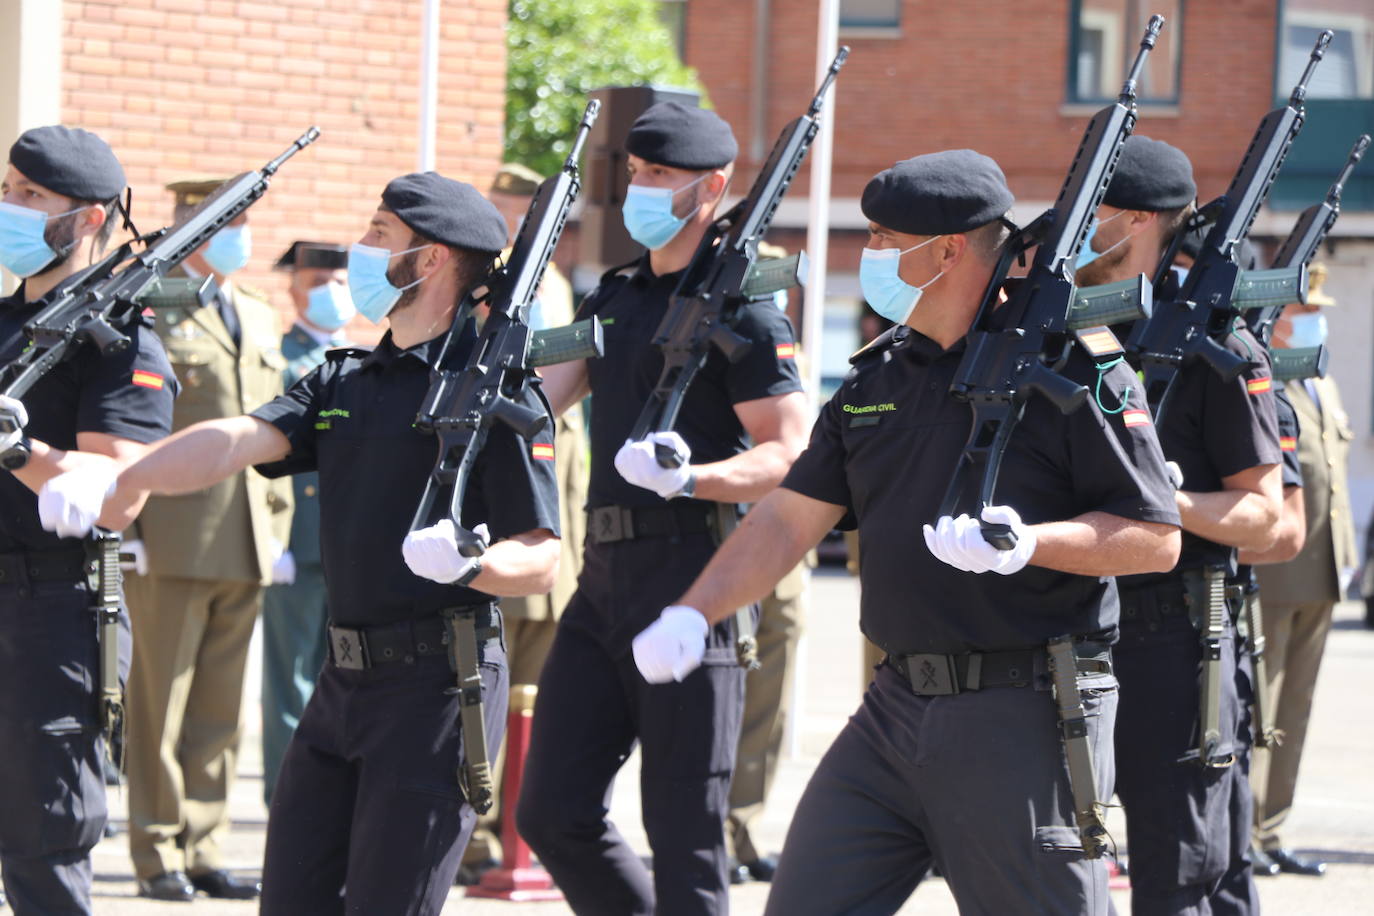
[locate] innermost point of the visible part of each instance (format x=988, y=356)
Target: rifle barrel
x=819, y=101
x=1356, y=154
x=301, y=142
x=588, y=119
x=1147, y=43
x=1318, y=52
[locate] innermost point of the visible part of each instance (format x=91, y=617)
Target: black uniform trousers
x=976, y=782
x=368, y=815
x=52, y=791
x=593, y=705
x=1181, y=831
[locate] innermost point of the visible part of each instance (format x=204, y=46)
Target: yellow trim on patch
x=1136, y=417
x=1100, y=342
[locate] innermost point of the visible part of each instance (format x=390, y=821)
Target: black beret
x=938, y=194
x=447, y=211
x=324, y=255
x=682, y=137
x=1150, y=175
x=69, y=161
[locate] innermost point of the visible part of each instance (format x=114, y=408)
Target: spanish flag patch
x=1259, y=385
x=1136, y=417
x=145, y=379
x=541, y=451
x=1288, y=443
x=787, y=351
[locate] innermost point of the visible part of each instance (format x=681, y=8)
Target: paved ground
x=1334, y=816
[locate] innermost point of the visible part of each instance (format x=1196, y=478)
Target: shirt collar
x=386, y=352
x=313, y=335
x=644, y=274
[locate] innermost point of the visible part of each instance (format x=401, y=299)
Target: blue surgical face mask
x=329, y=306
x=24, y=250
x=373, y=294
x=890, y=295
x=229, y=249
x=1307, y=330
x=648, y=214
x=1086, y=255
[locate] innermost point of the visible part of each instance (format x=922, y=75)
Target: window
x=870, y=14
x=1347, y=71
x=1103, y=40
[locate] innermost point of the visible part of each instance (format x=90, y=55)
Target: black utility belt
x=64, y=564
x=931, y=674
x=1166, y=598
x=608, y=524
x=359, y=648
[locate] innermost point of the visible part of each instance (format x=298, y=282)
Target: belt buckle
x=932, y=675
x=348, y=648
x=611, y=524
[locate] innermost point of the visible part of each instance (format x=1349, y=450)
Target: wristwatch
x=473, y=572
x=17, y=455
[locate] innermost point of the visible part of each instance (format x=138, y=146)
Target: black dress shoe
x=224, y=886
x=170, y=885
x=470, y=873
x=1263, y=866
x=763, y=869
x=1290, y=863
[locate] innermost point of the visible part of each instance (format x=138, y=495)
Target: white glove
x=137, y=554
x=432, y=553
x=1175, y=474
x=637, y=463
x=70, y=503
x=672, y=646
x=960, y=542
x=12, y=409
x=283, y=566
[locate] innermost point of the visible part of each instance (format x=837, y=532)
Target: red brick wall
x=972, y=74
x=184, y=88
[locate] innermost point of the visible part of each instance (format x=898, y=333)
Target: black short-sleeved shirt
x=1213, y=429
x=630, y=308
x=1289, y=430
x=127, y=394
x=885, y=447
x=352, y=419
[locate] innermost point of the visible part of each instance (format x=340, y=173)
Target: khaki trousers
x=767, y=705
x=527, y=645
x=1295, y=635
x=185, y=695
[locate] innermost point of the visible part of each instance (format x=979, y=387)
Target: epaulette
x=612, y=274
x=875, y=346
x=340, y=354
x=252, y=292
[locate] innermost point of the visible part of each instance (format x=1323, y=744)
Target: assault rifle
x=100, y=304
x=721, y=277
x=1217, y=291
x=461, y=406
x=1018, y=353
x=1298, y=249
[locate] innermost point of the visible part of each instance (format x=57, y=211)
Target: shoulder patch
x=1259, y=385
x=1135, y=417
x=1099, y=341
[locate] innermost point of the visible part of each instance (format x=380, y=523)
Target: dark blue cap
x=1150, y=175
x=446, y=211
x=69, y=161
x=682, y=137
x=956, y=190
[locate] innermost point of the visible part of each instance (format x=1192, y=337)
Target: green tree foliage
x=559, y=50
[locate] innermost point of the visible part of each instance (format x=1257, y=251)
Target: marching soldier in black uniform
x=955, y=757
x=369, y=813
x=650, y=531
x=60, y=191
x=1187, y=818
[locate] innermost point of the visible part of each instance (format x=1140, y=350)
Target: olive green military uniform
x=209, y=555
x=1299, y=597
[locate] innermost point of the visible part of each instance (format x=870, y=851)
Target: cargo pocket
x=1063, y=842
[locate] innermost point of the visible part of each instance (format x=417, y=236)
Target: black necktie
x=229, y=316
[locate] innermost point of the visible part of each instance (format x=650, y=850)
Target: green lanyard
x=1102, y=370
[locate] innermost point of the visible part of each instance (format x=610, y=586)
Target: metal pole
x=429, y=84
x=818, y=209
x=817, y=244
